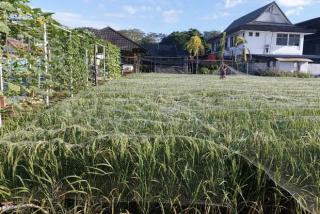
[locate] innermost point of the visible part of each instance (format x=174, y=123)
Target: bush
x=204, y=70
x=271, y=73
x=209, y=69
x=113, y=60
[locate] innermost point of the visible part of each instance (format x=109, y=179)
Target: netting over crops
x=244, y=144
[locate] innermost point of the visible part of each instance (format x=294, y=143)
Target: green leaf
x=4, y=28
x=13, y=89
x=7, y=6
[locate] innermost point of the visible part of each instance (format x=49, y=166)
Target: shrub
x=113, y=60
x=209, y=69
x=204, y=70
x=273, y=73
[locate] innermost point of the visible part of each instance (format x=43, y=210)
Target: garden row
x=42, y=60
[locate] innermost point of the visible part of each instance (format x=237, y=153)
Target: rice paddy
x=161, y=143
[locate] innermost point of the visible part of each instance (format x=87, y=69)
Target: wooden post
x=104, y=61
x=95, y=66
x=1, y=77
x=45, y=52
x=2, y=105
x=71, y=71
x=86, y=60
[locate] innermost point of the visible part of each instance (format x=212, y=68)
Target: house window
x=257, y=34
x=282, y=39
x=294, y=40
x=250, y=33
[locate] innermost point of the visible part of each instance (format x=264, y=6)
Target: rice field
x=164, y=143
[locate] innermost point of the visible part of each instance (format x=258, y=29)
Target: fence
x=181, y=65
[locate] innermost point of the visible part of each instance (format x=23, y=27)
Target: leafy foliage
x=70, y=52
x=195, y=46
x=113, y=56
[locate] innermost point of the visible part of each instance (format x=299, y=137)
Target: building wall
x=273, y=15
x=293, y=66
x=314, y=69
x=259, y=44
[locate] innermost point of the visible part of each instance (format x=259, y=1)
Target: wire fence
x=182, y=65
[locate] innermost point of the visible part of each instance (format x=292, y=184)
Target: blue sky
x=166, y=16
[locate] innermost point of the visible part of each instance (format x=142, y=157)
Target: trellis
x=56, y=58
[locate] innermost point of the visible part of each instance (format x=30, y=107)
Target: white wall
x=314, y=69
x=273, y=15
x=257, y=45
x=293, y=66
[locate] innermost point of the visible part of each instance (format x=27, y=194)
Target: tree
x=245, y=51
x=134, y=34
x=152, y=38
x=223, y=69
x=195, y=48
x=207, y=35
x=180, y=39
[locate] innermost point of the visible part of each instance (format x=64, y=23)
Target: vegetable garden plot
x=40, y=59
x=209, y=144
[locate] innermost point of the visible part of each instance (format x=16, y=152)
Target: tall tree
x=133, y=34
x=223, y=69
x=207, y=35
x=180, y=39
x=245, y=51
x=195, y=48
x=152, y=38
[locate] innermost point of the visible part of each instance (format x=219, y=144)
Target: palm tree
x=223, y=71
x=195, y=48
x=245, y=52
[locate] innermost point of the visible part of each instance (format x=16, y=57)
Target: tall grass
x=171, y=143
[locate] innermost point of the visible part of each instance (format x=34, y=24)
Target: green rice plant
x=170, y=143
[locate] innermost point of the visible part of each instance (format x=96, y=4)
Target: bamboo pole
x=70, y=67
x=95, y=66
x=1, y=87
x=87, y=66
x=45, y=53
x=104, y=61
x=1, y=77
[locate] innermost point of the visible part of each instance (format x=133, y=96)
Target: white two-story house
x=272, y=41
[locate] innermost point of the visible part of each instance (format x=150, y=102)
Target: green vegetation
x=195, y=48
x=43, y=62
x=296, y=74
x=157, y=142
x=113, y=60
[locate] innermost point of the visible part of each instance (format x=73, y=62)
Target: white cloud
x=294, y=11
x=171, y=16
x=232, y=3
x=77, y=20
x=295, y=7
x=115, y=15
x=215, y=16
x=130, y=9
x=133, y=10
x=295, y=3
